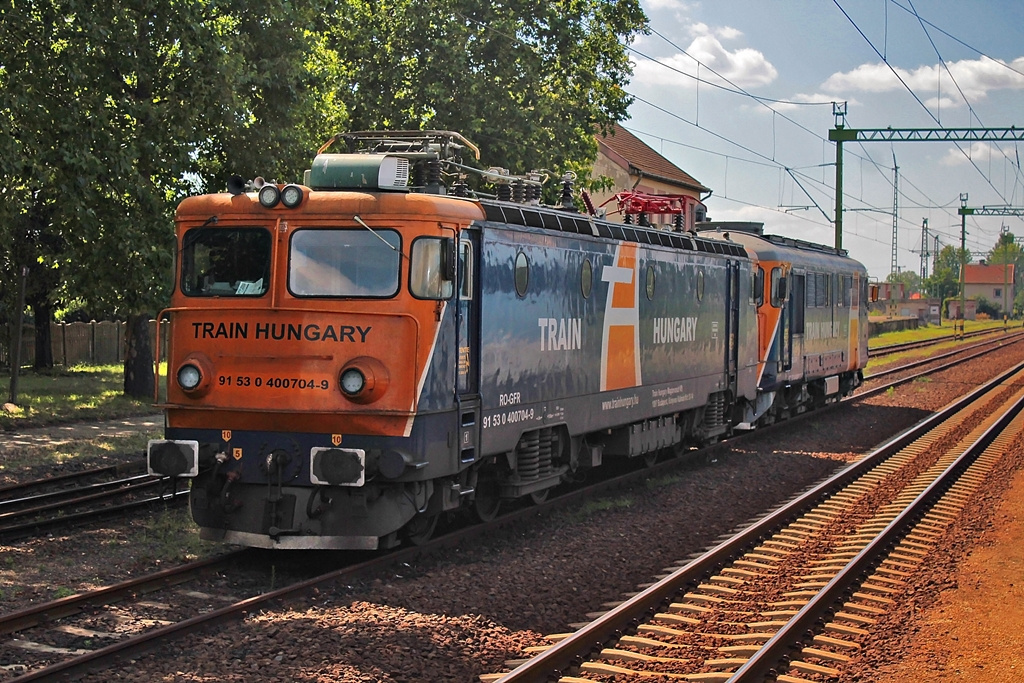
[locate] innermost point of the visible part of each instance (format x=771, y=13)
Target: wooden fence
x=92, y=343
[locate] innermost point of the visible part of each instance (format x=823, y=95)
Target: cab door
x=467, y=382
x=733, y=323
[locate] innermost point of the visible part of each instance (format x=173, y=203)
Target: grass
x=83, y=392
x=170, y=534
x=932, y=332
x=97, y=450
x=67, y=395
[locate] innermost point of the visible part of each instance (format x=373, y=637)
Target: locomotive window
x=465, y=270
x=778, y=288
x=757, y=286
x=345, y=262
x=225, y=262
x=700, y=285
x=799, y=299
x=522, y=274
x=427, y=276
x=822, y=292
x=586, y=278
x=650, y=283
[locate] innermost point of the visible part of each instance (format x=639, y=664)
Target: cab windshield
x=345, y=262
x=225, y=262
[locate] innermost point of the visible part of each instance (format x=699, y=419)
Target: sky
x=740, y=93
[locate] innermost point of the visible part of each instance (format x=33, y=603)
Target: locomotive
x=354, y=356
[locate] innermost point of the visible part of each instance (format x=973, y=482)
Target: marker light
x=269, y=196
x=364, y=380
x=194, y=375
x=292, y=195
x=352, y=381
x=189, y=377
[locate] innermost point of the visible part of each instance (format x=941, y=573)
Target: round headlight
x=269, y=196
x=352, y=381
x=189, y=377
x=291, y=196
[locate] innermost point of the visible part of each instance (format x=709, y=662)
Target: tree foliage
x=526, y=81
x=114, y=112
x=111, y=113
x=944, y=281
x=910, y=280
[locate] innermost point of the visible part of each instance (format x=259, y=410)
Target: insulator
x=567, y=202
x=628, y=219
x=533, y=193
x=677, y=222
x=460, y=189
x=433, y=172
x=419, y=174
x=644, y=221
x=504, y=192
x=519, y=191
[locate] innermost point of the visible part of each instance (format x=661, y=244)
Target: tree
x=910, y=280
x=526, y=81
x=115, y=113
x=944, y=281
x=1007, y=252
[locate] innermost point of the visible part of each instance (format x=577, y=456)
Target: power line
x=913, y=94
x=957, y=40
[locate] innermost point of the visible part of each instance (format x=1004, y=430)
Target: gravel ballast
x=457, y=618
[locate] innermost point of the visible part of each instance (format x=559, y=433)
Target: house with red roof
x=993, y=282
x=632, y=165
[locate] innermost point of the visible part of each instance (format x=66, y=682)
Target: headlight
x=189, y=377
x=363, y=380
x=269, y=196
x=352, y=381
x=194, y=375
x=291, y=196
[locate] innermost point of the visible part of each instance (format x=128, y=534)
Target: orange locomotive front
x=307, y=353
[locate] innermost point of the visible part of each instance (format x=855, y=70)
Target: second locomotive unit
x=353, y=356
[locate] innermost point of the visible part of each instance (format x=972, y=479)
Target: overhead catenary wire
x=914, y=95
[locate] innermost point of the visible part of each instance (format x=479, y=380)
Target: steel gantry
x=841, y=134
x=966, y=211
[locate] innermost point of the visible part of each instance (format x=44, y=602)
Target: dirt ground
x=975, y=632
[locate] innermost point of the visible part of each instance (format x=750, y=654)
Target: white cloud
x=975, y=77
x=977, y=151
x=744, y=67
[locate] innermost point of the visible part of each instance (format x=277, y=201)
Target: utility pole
x=839, y=111
x=1003, y=229
x=893, y=267
x=924, y=249
x=963, y=263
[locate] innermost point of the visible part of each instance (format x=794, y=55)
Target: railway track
x=790, y=597
x=38, y=506
x=946, y=360
x=78, y=635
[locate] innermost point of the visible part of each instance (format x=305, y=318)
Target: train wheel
x=487, y=499
x=420, y=528
x=538, y=497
